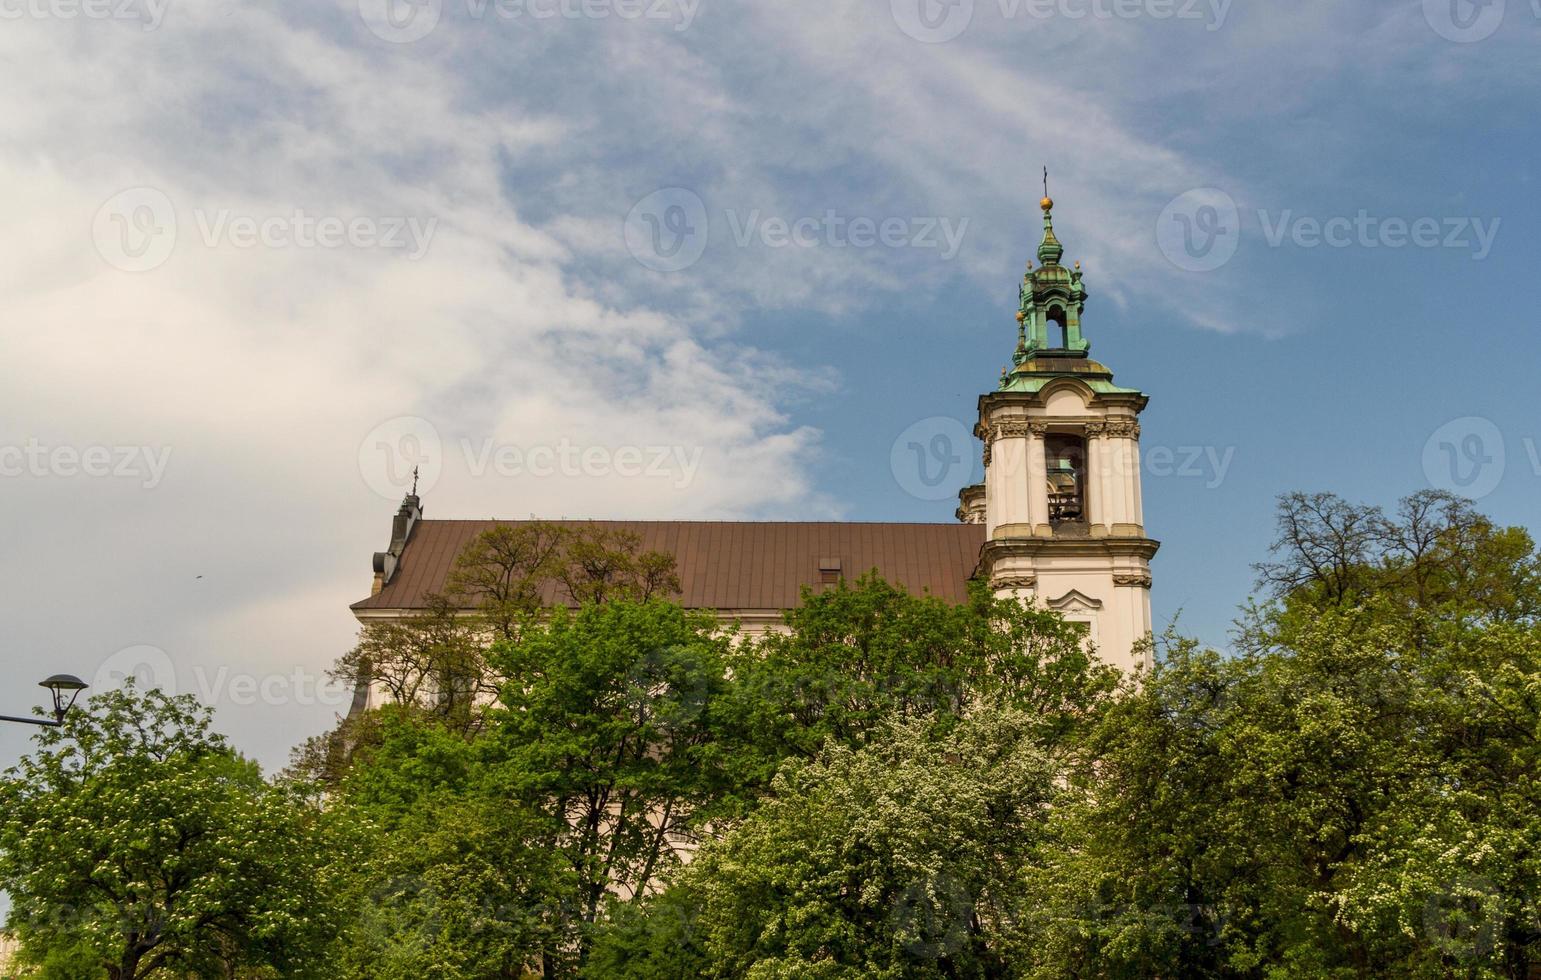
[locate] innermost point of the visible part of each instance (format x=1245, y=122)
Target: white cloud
x=263, y=368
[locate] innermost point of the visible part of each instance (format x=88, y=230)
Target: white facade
x=1095, y=569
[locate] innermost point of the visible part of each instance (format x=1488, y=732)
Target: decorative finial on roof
x=414, y=481
x=1050, y=250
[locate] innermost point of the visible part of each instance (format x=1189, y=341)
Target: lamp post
x=57, y=685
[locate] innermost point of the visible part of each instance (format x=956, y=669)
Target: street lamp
x=57, y=685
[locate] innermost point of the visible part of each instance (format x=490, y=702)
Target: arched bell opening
x=1065, y=456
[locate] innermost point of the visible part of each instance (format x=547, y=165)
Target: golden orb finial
x=1021, y=316
x=1047, y=203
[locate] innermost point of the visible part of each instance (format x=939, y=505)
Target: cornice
x=1137, y=548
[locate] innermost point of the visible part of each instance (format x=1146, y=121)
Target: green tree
x=1351, y=795
x=874, y=698
x=859, y=655
x=612, y=732
x=1435, y=555
x=607, y=756
x=502, y=572
x=454, y=889
x=895, y=860
x=509, y=572
x=134, y=836
x=603, y=565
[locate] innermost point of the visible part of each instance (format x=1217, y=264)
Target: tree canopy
x=895, y=786
x=135, y=843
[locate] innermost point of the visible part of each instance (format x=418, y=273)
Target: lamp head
x=58, y=685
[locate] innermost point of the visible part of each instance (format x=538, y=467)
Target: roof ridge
x=683, y=520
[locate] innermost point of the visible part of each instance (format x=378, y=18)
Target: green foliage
x=1435, y=556
x=633, y=732
x=1353, y=795
x=891, y=861
x=506, y=572
x=896, y=787
x=134, y=838
x=613, y=731
x=656, y=939
x=610, y=751
x=454, y=890
x=921, y=742
x=859, y=656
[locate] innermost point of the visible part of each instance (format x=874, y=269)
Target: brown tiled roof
x=730, y=565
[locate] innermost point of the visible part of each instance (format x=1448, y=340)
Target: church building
x=1057, y=520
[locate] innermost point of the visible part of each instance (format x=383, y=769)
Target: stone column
x=1099, y=483
x=1010, y=498
x=992, y=505
x=1037, y=478
x=1123, y=435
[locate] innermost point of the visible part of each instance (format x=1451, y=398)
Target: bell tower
x=1061, y=496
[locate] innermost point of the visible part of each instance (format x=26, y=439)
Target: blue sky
x=251, y=244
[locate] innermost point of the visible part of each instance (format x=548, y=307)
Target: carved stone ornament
x=1122, y=428
x=1141, y=579
x=1016, y=582
x=1009, y=429
x=987, y=454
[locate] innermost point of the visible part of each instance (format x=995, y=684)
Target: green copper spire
x=1050, y=301
x=1049, y=250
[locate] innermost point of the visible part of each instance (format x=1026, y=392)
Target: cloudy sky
x=700, y=258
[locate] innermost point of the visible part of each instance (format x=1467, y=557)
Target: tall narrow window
x=1066, y=459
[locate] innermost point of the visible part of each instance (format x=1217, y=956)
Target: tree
x=1351, y=795
x=454, y=890
x=434, y=661
x=1324, y=543
x=612, y=731
x=508, y=571
x=502, y=571
x=894, y=860
x=1436, y=554
x=893, y=718
x=607, y=756
x=133, y=836
x=857, y=656
x=604, y=564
